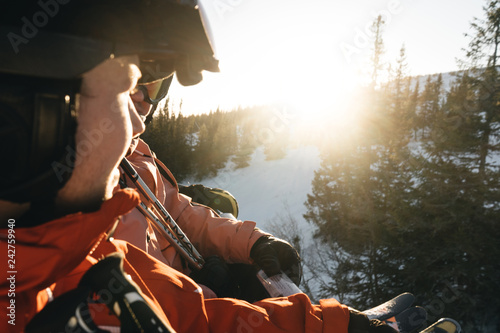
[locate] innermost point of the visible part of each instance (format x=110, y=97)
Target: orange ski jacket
x=51, y=258
x=209, y=233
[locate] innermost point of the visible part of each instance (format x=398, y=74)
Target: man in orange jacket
x=232, y=241
x=67, y=71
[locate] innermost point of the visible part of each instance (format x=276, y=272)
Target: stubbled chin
x=113, y=182
x=133, y=145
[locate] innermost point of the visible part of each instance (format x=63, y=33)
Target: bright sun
x=291, y=51
x=289, y=61
x=308, y=79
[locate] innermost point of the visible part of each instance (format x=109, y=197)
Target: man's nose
x=142, y=107
x=138, y=126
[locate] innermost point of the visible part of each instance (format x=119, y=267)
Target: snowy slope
x=270, y=191
x=266, y=188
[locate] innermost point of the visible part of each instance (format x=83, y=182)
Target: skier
x=220, y=240
x=67, y=72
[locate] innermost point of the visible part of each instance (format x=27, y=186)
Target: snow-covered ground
x=268, y=190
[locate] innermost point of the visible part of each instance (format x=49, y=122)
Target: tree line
x=197, y=146
x=413, y=204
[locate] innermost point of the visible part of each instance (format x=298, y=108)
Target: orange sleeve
x=211, y=234
x=335, y=315
x=48, y=252
x=182, y=303
x=179, y=301
x=177, y=298
x=293, y=314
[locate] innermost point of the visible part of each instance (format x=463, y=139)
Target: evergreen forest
x=197, y=146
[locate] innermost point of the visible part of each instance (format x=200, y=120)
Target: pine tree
x=180, y=159
x=246, y=140
x=224, y=138
x=168, y=136
x=412, y=106
x=456, y=209
x=202, y=153
x=360, y=194
x=431, y=100
x=378, y=49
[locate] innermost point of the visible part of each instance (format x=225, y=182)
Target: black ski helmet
x=45, y=47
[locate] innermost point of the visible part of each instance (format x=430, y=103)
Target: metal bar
x=163, y=217
x=165, y=231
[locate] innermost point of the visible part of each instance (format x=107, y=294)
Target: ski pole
x=166, y=221
x=165, y=231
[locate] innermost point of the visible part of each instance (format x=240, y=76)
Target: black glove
x=359, y=323
x=274, y=255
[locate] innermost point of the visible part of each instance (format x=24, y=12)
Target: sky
x=311, y=54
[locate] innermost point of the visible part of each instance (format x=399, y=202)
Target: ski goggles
x=155, y=91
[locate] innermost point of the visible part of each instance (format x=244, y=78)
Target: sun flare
x=292, y=59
